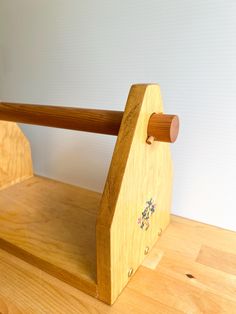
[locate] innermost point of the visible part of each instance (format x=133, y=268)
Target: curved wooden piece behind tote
x=15, y=155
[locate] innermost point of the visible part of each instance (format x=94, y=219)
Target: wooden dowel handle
x=88, y=120
x=163, y=127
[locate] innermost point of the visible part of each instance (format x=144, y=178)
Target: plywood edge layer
x=51, y=225
x=80, y=283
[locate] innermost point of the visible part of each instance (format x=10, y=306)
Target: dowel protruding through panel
x=163, y=127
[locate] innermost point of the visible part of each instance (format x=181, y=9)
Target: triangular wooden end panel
x=136, y=200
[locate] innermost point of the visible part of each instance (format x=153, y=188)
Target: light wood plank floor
x=192, y=269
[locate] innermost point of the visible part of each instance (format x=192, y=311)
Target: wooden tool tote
x=94, y=242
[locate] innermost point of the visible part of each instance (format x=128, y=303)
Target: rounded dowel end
x=163, y=127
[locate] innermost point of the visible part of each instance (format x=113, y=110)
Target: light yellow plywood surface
x=15, y=161
x=52, y=225
x=139, y=173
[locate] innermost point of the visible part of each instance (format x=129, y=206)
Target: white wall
x=88, y=53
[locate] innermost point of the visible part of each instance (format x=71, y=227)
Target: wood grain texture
x=138, y=172
x=15, y=159
x=153, y=258
x=164, y=290
x=218, y=259
x=163, y=128
x=52, y=226
x=80, y=119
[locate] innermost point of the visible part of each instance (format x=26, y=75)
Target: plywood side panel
x=51, y=225
x=15, y=155
x=128, y=225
